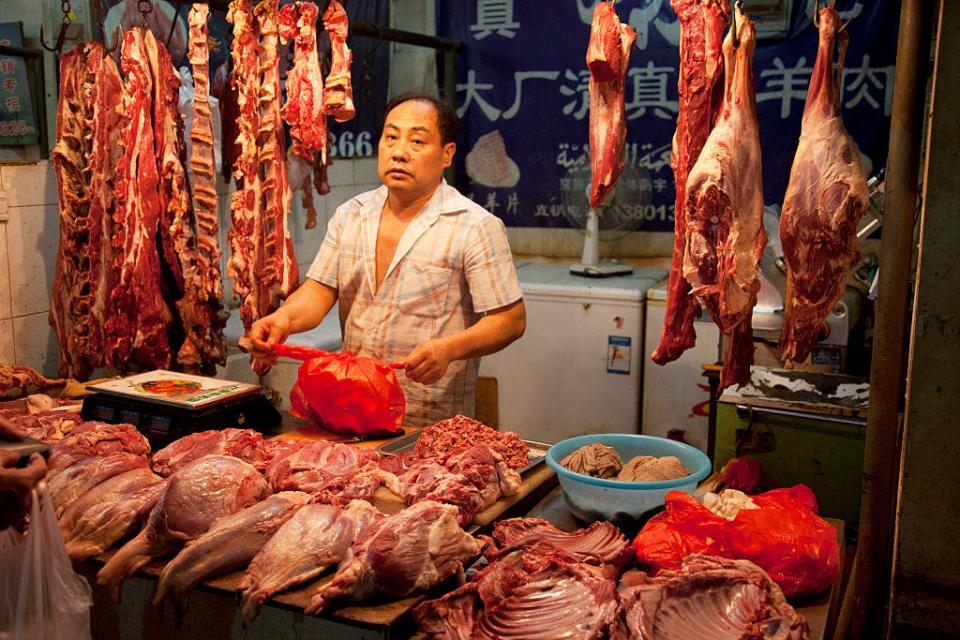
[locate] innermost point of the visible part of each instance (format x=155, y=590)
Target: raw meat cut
x=459, y=433
x=301, y=175
x=194, y=497
x=303, y=110
x=245, y=444
x=276, y=274
x=337, y=91
x=86, y=153
x=138, y=318
x=86, y=474
x=724, y=210
x=358, y=485
x=600, y=543
x=608, y=56
x=311, y=466
x=315, y=538
x=534, y=593
x=109, y=512
x=698, y=84
x=709, y=599
x=825, y=199
x=393, y=558
x=94, y=439
x=49, y=426
x=230, y=543
x=24, y=379
x=320, y=181
x=486, y=470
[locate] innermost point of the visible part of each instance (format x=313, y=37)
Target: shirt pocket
x=425, y=289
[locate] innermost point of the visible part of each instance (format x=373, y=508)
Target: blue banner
x=522, y=93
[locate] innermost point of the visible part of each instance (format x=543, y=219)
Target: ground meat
x=459, y=433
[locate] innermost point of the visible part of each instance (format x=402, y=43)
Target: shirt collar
x=445, y=200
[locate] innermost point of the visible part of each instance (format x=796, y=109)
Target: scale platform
x=166, y=405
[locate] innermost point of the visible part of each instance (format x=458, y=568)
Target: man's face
x=411, y=156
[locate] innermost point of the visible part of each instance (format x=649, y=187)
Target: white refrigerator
x=579, y=367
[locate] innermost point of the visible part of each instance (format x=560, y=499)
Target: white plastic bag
x=40, y=595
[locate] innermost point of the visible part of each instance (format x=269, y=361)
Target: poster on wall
x=371, y=59
x=522, y=94
x=18, y=123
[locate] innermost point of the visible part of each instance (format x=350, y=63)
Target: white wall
x=29, y=233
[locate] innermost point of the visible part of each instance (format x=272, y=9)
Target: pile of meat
x=459, y=433
x=138, y=282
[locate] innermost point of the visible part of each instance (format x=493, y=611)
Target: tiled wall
x=29, y=233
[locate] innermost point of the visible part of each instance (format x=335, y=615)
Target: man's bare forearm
x=308, y=305
x=490, y=334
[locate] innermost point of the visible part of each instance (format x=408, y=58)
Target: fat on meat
x=699, y=90
x=111, y=511
x=392, y=558
x=84, y=475
x=608, y=56
x=825, y=199
x=315, y=538
x=193, y=498
x=230, y=544
x=724, y=210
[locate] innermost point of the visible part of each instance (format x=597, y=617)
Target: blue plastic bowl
x=624, y=503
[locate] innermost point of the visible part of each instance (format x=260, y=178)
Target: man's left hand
x=428, y=362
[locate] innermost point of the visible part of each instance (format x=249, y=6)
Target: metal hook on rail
x=64, y=25
x=173, y=23
x=117, y=36
x=145, y=7
x=734, y=5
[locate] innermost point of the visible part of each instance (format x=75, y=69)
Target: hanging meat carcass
x=87, y=150
x=608, y=56
x=701, y=68
x=338, y=92
x=724, y=209
x=139, y=318
x=303, y=110
x=825, y=199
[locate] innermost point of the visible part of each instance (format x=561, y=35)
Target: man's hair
x=447, y=118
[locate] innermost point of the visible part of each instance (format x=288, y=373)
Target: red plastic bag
x=785, y=537
x=344, y=393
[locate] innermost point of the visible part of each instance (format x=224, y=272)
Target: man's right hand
x=268, y=331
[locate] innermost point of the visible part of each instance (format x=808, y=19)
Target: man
x=16, y=483
x=424, y=276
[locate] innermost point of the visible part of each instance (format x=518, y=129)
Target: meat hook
x=58, y=45
x=734, y=5
x=116, y=41
x=173, y=23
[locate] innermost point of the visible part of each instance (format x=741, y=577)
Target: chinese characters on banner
x=522, y=95
x=18, y=125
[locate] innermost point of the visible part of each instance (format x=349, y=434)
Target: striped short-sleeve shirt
x=452, y=264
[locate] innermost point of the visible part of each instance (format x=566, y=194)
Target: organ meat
x=533, y=593
x=316, y=537
x=405, y=553
x=709, y=599
x=303, y=110
x=86, y=474
x=825, y=199
x=608, y=56
x=85, y=155
x=230, y=543
x=600, y=543
x=95, y=439
x=337, y=92
x=724, y=210
x=109, y=512
x=313, y=465
x=194, y=497
x=699, y=98
x=138, y=319
x=245, y=444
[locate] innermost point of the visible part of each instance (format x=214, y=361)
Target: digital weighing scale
x=166, y=405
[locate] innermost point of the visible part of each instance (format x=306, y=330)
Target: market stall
x=264, y=416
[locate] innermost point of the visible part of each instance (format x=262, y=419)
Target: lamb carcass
x=303, y=110
x=405, y=553
x=314, y=539
x=701, y=68
x=95, y=439
x=245, y=444
x=710, y=599
x=608, y=56
x=337, y=90
x=600, y=543
x=313, y=465
x=194, y=497
x=538, y=592
x=724, y=210
x=109, y=512
x=825, y=199
x=86, y=474
x=230, y=543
